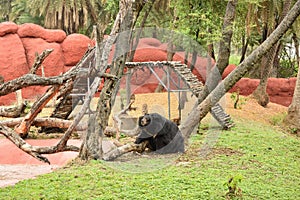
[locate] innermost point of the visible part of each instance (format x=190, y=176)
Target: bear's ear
x=144, y=120
x=140, y=120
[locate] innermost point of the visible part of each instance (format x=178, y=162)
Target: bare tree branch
x=49, y=122
x=39, y=60
x=24, y=126
x=12, y=111
x=34, y=151
x=33, y=79
x=117, y=152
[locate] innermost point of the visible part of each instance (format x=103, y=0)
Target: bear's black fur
x=163, y=135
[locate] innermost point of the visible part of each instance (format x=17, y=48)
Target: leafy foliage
x=232, y=185
x=200, y=20
x=238, y=100
x=69, y=15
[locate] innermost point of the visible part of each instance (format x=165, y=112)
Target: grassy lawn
x=267, y=159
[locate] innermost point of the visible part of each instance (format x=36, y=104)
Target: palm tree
x=20, y=13
x=68, y=15
x=73, y=15
x=5, y=9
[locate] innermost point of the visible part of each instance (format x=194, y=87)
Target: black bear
x=163, y=135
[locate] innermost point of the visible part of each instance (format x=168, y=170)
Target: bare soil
x=251, y=110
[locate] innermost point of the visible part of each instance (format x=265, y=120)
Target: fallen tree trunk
x=63, y=108
x=117, y=152
x=113, y=131
x=12, y=111
x=45, y=122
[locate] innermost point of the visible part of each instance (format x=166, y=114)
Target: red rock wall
x=20, y=43
x=280, y=90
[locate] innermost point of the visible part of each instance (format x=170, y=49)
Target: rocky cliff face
x=20, y=43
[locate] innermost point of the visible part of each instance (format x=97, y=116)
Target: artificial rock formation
x=19, y=45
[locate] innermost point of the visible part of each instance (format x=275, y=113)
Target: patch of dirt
x=11, y=174
x=220, y=151
x=207, y=153
x=251, y=110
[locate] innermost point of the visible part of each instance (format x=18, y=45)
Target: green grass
x=267, y=160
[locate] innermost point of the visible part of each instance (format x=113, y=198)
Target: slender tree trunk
x=293, y=116
x=194, y=60
x=195, y=53
x=224, y=51
x=296, y=43
x=210, y=50
x=170, y=54
x=244, y=49
x=133, y=45
x=276, y=62
x=92, y=147
x=201, y=109
x=208, y=66
x=260, y=93
x=186, y=57
x=210, y=47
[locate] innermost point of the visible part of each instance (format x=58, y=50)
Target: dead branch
x=81, y=113
x=94, y=88
x=34, y=151
x=118, y=122
x=24, y=126
x=39, y=60
x=117, y=152
x=112, y=131
x=12, y=111
x=19, y=142
x=33, y=79
x=45, y=122
x=64, y=102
